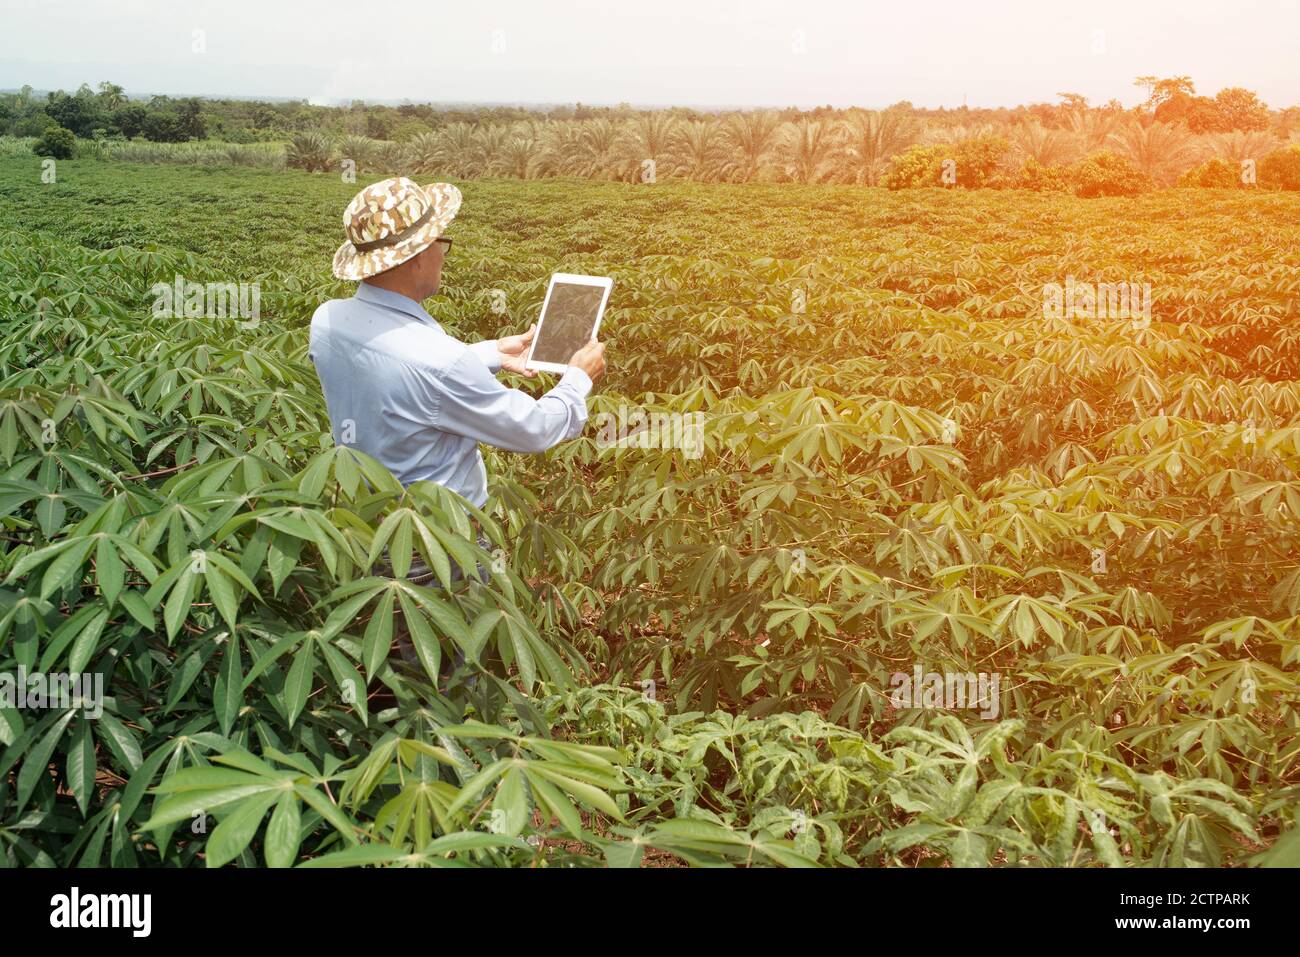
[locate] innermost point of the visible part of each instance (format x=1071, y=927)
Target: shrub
x=914, y=168
x=1034, y=175
x=80, y=112
x=407, y=130
x=1281, y=168
x=164, y=127
x=33, y=124
x=979, y=164
x=56, y=142
x=1105, y=174
x=980, y=161
x=130, y=120
x=1215, y=174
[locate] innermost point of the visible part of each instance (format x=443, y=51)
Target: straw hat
x=390, y=222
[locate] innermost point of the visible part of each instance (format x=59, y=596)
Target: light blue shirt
x=402, y=390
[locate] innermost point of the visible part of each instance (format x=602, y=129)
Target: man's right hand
x=590, y=359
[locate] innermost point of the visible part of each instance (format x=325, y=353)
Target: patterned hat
x=390, y=222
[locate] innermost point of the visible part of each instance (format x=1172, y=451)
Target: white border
x=604, y=282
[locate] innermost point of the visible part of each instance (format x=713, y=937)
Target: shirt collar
x=393, y=300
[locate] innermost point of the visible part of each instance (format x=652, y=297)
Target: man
x=401, y=389
x=397, y=386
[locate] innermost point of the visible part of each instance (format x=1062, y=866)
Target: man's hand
x=590, y=359
x=514, y=352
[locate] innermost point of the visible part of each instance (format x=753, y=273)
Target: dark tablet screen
x=568, y=321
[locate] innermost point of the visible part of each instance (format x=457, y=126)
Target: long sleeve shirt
x=405, y=392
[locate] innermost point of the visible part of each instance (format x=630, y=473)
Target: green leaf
x=378, y=639
x=359, y=856
x=120, y=740
x=180, y=601
x=284, y=833
x=63, y=569
x=228, y=690
x=510, y=805
x=297, y=686
x=83, y=649
x=229, y=838
x=81, y=765
x=36, y=763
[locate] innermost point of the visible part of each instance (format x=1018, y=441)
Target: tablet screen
x=568, y=322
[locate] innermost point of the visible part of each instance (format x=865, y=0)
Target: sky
x=682, y=52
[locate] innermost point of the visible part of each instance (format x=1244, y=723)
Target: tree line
x=1174, y=135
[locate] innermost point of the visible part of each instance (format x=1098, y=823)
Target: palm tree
x=1093, y=128
x=386, y=156
x=310, y=151
x=807, y=149
x=457, y=149
x=751, y=136
x=1161, y=150
x=517, y=156
x=647, y=138
x=111, y=95
x=1242, y=145
x=424, y=153
x=489, y=142
x=597, y=155
x=359, y=149
x=1047, y=147
x=957, y=133
x=872, y=138
x=698, y=150
x=560, y=148
x=530, y=129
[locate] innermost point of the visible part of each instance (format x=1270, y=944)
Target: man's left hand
x=514, y=352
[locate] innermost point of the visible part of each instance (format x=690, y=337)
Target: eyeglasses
x=446, y=245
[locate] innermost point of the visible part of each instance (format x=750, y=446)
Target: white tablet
x=570, y=319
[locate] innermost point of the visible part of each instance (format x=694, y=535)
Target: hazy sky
x=709, y=52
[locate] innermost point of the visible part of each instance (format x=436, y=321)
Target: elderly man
x=397, y=386
x=402, y=390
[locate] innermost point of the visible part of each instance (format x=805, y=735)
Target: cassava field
x=866, y=556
